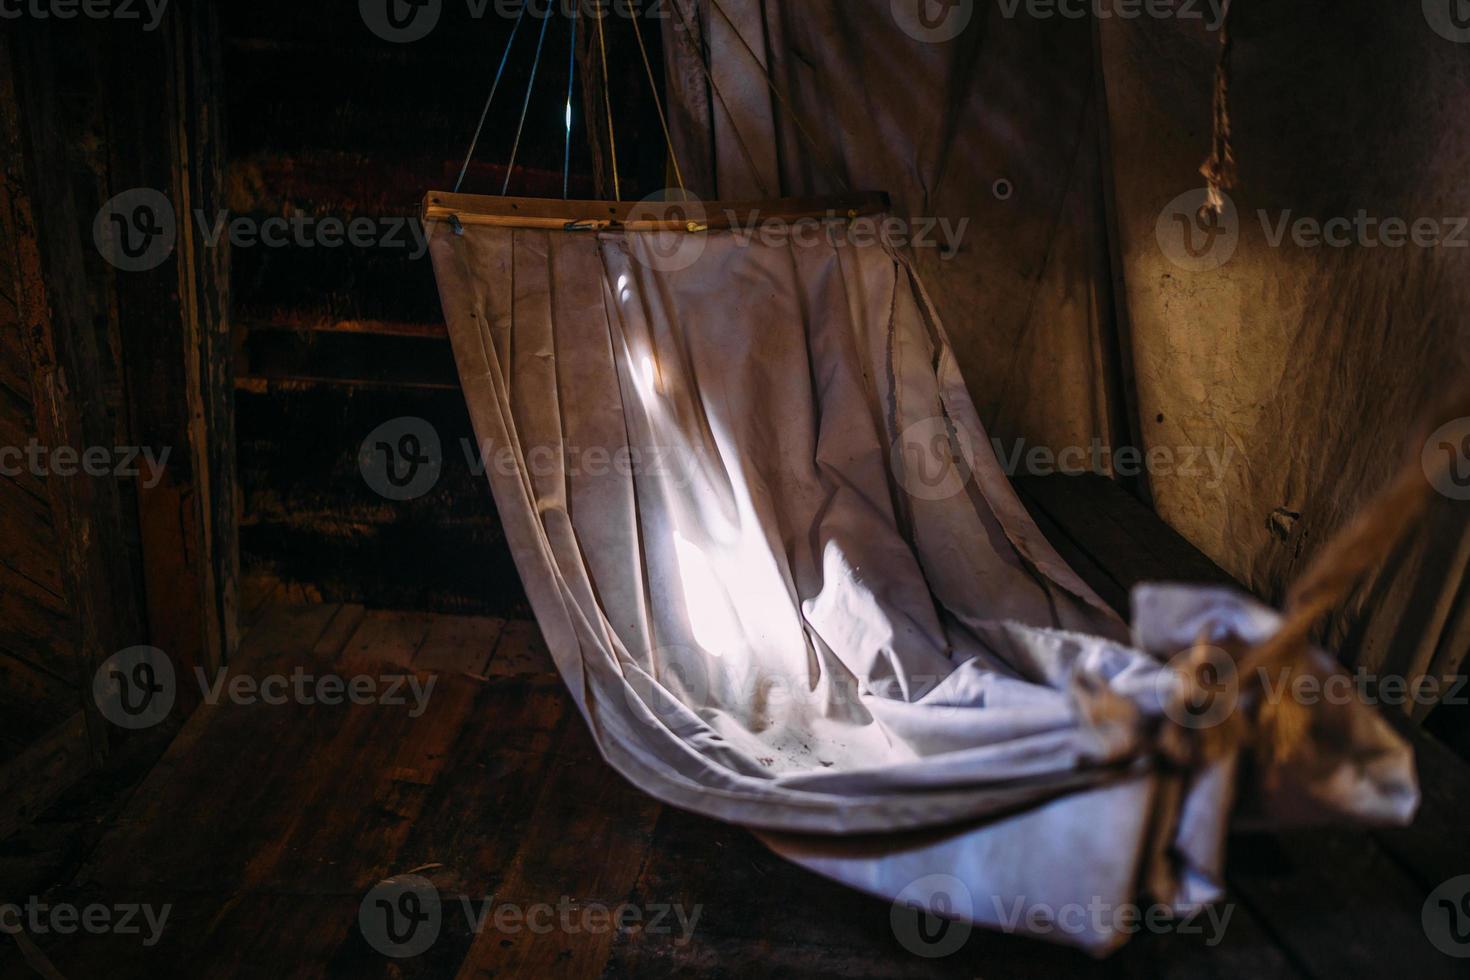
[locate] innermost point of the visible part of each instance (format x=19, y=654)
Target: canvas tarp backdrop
x=1278, y=381
x=788, y=585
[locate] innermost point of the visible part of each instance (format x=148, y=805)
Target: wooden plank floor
x=269, y=832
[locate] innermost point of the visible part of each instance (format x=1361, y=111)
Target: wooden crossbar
x=693, y=215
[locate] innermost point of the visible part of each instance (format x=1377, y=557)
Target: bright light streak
x=711, y=619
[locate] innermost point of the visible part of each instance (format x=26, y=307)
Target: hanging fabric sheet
x=788, y=585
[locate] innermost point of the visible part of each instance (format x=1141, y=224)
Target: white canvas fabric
x=788, y=586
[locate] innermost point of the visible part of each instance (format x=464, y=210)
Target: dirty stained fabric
x=788, y=586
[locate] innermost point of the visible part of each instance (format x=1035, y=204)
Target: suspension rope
x=781, y=97
x=659, y=104
x=526, y=106
x=485, y=112
x=705, y=58
x=566, y=167
x=612, y=133
x=1219, y=167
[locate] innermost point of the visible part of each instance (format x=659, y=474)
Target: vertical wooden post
x=200, y=178
x=164, y=115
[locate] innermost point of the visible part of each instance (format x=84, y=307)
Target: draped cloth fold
x=789, y=586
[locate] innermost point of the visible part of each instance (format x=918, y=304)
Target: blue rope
x=499, y=74
x=526, y=106
x=566, y=167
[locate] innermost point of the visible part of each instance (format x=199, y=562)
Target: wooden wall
x=93, y=357
x=61, y=554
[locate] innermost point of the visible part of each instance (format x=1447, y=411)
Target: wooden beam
x=557, y=215
x=373, y=328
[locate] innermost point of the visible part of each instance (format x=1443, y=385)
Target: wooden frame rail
x=691, y=215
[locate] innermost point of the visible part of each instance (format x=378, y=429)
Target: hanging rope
x=612, y=133
x=781, y=97
x=485, y=112
x=1219, y=167
x=566, y=166
x=526, y=105
x=659, y=104
x=705, y=59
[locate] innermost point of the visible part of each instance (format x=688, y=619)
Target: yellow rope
x=658, y=102
x=612, y=134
